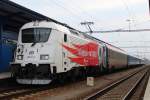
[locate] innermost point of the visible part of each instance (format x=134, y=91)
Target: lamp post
x=129, y=21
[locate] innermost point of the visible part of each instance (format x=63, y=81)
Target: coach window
x=65, y=37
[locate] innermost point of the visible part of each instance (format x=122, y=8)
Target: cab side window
x=65, y=37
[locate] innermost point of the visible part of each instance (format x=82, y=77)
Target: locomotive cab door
x=65, y=53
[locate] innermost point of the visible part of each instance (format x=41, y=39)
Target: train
x=47, y=51
x=134, y=61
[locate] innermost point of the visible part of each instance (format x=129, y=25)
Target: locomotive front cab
x=35, y=44
x=33, y=56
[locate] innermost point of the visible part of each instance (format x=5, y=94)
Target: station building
x=12, y=17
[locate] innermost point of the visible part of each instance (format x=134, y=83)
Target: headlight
x=44, y=57
x=19, y=57
x=20, y=49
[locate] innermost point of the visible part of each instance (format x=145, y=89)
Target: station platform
x=5, y=75
x=147, y=91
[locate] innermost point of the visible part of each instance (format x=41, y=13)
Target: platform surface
x=147, y=92
x=5, y=75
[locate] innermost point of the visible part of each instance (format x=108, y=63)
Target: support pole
x=1, y=31
x=149, y=6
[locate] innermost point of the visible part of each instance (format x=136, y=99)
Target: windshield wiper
x=35, y=40
x=33, y=44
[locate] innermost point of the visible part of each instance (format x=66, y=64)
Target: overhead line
x=135, y=47
x=111, y=31
x=61, y=6
x=127, y=41
x=126, y=7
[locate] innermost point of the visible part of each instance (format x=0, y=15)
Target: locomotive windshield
x=35, y=35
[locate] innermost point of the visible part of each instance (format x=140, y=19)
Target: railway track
x=122, y=89
x=77, y=91
x=19, y=91
x=24, y=92
x=9, y=88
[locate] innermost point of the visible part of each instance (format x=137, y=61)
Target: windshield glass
x=35, y=35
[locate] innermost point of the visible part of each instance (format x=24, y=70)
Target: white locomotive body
x=47, y=51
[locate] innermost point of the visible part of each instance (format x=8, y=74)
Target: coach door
x=104, y=55
x=100, y=55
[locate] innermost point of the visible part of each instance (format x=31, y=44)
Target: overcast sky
x=106, y=15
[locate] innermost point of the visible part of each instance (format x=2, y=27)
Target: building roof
x=13, y=16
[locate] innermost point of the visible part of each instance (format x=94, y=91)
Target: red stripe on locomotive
x=87, y=54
